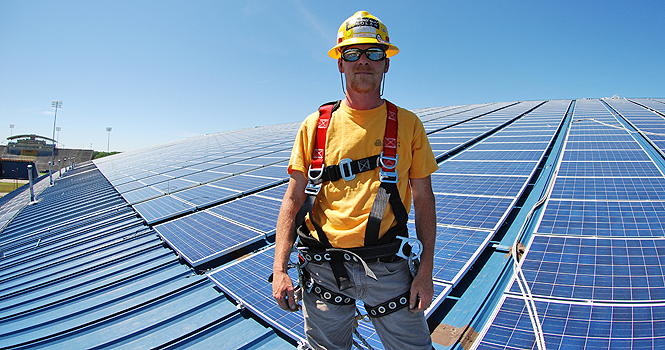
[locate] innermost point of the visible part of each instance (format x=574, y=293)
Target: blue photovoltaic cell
x=275, y=171
x=245, y=183
x=595, y=269
x=202, y=237
x=603, y=145
x=275, y=192
x=155, y=179
x=161, y=208
x=577, y=326
x=256, y=212
x=246, y=281
x=609, y=219
x=182, y=172
x=129, y=186
x=478, y=185
x=526, y=138
x=235, y=168
x=205, y=195
x=453, y=166
x=473, y=212
x=500, y=155
x=609, y=169
x=174, y=185
x=454, y=251
x=605, y=156
x=613, y=188
x=141, y=194
x=206, y=176
x=601, y=138
x=504, y=146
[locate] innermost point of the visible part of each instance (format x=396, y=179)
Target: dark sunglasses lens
x=351, y=55
x=375, y=54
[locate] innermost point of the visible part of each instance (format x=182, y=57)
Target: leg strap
x=329, y=296
x=389, y=306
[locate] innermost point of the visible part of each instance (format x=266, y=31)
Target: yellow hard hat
x=362, y=28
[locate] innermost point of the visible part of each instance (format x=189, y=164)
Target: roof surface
x=169, y=247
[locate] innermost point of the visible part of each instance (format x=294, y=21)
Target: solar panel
x=257, y=212
x=609, y=219
x=202, y=196
x=206, y=176
x=595, y=269
x=517, y=156
x=141, y=194
x=577, y=326
x=605, y=156
x=609, y=188
x=202, y=237
x=454, y=166
x=455, y=250
x=274, y=192
x=129, y=186
x=174, y=185
x=478, y=185
x=245, y=183
x=470, y=212
x=161, y=208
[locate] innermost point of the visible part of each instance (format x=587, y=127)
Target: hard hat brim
x=336, y=53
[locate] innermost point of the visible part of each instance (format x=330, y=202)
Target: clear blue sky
x=159, y=71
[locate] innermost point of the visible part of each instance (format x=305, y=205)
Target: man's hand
x=282, y=291
x=282, y=286
x=422, y=287
x=422, y=291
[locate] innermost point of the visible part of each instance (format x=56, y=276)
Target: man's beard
x=365, y=83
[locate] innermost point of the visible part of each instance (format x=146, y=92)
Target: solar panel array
x=213, y=196
x=461, y=233
x=594, y=264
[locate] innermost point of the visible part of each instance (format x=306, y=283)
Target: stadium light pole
x=56, y=104
x=108, y=142
x=57, y=138
x=11, y=130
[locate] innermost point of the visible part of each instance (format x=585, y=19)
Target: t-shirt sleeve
x=301, y=153
x=423, y=162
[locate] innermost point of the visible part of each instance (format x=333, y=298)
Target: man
x=355, y=224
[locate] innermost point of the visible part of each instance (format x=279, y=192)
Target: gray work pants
x=329, y=326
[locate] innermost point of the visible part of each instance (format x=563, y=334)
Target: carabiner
x=409, y=240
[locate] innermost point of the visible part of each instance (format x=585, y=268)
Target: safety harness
x=395, y=244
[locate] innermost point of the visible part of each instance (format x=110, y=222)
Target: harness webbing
x=388, y=192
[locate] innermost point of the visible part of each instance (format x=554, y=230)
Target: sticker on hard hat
x=362, y=22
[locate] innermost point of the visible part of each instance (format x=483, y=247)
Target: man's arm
x=282, y=287
x=422, y=287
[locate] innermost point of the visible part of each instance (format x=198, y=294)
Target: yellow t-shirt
x=342, y=207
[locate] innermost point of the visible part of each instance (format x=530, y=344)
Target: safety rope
x=361, y=317
x=518, y=274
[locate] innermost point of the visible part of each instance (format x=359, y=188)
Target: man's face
x=363, y=75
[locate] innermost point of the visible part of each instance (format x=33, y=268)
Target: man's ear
x=339, y=65
x=387, y=65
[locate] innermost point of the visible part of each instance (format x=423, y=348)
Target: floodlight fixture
x=108, y=141
x=55, y=104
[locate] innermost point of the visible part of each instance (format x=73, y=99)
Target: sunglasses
x=373, y=54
